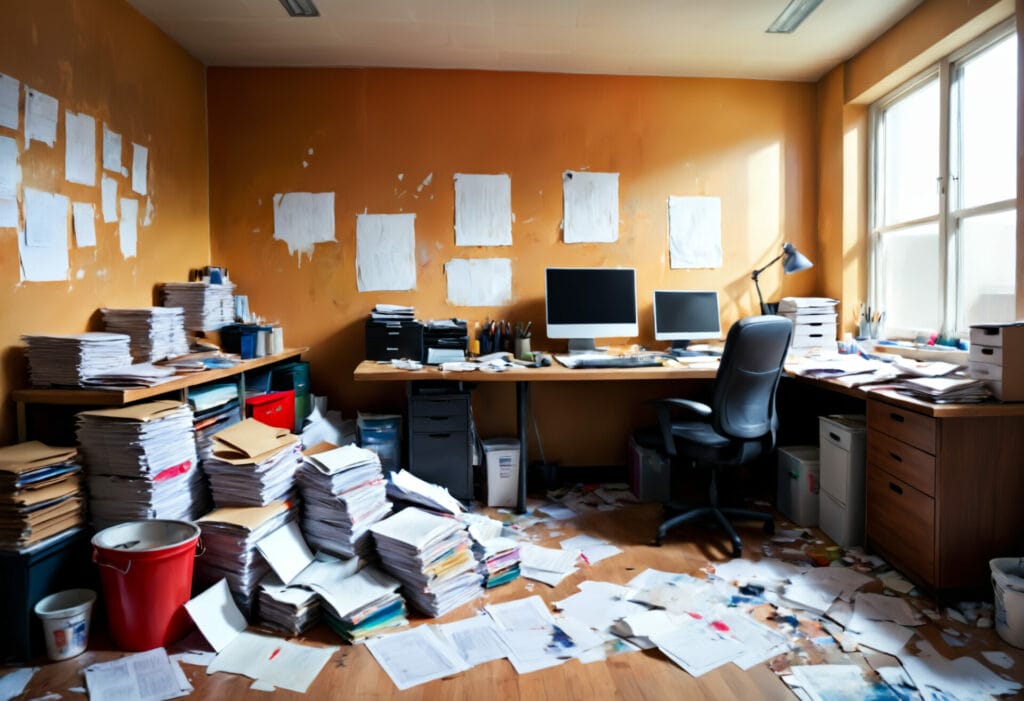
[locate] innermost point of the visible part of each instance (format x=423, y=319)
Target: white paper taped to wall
x=10, y=90
x=79, y=148
x=591, y=207
x=84, y=221
x=695, y=232
x=302, y=219
x=112, y=151
x=10, y=179
x=45, y=259
x=483, y=210
x=140, y=168
x=128, y=228
x=479, y=282
x=40, y=117
x=108, y=192
x=385, y=252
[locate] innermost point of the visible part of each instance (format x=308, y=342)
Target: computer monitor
x=682, y=316
x=582, y=304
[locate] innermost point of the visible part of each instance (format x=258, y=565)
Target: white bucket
x=65, y=616
x=1008, y=585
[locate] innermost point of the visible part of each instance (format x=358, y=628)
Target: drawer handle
x=439, y=435
x=896, y=417
x=896, y=488
x=833, y=436
x=394, y=333
x=986, y=351
x=895, y=457
x=391, y=348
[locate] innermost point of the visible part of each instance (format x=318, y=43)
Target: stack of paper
x=410, y=489
x=431, y=556
x=215, y=407
x=40, y=494
x=156, y=332
x=230, y=536
x=137, y=375
x=498, y=560
x=362, y=605
x=343, y=490
x=253, y=464
x=207, y=307
x=942, y=390
x=546, y=564
x=65, y=360
x=392, y=311
x=141, y=463
x=291, y=610
x=814, y=321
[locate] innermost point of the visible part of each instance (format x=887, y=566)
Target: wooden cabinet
x=945, y=487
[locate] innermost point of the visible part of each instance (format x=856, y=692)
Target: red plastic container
x=146, y=570
x=274, y=409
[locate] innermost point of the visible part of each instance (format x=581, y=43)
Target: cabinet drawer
x=444, y=459
x=904, y=425
x=901, y=524
x=903, y=461
x=836, y=471
x=443, y=405
x=436, y=424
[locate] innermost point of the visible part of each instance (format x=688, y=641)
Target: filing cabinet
x=997, y=357
x=842, y=445
x=439, y=438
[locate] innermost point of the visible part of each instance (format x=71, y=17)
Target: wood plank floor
x=354, y=674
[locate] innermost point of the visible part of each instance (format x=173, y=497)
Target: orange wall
x=102, y=58
x=372, y=136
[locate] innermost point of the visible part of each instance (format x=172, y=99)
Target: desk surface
x=370, y=370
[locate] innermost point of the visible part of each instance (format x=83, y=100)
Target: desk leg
x=22, y=422
x=522, y=406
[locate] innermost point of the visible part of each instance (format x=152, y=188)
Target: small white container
x=798, y=484
x=1008, y=587
x=502, y=458
x=65, y=616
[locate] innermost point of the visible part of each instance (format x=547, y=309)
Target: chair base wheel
x=769, y=527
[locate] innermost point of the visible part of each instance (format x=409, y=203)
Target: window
x=944, y=193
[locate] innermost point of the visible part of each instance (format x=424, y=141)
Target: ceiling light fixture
x=306, y=8
x=791, y=17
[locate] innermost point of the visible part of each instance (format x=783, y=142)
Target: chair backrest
x=743, y=398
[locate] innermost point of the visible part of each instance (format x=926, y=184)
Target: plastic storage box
x=240, y=339
x=294, y=376
x=843, y=445
x=650, y=473
x=382, y=433
x=501, y=455
x=798, y=484
x=274, y=409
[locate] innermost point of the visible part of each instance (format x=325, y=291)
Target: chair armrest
x=664, y=408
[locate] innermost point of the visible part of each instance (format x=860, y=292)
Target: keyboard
x=608, y=361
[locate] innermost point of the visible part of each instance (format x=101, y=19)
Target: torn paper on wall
x=10, y=179
x=83, y=217
x=483, y=210
x=40, y=117
x=43, y=245
x=140, y=168
x=385, y=252
x=9, y=93
x=79, y=148
x=591, y=207
x=695, y=232
x=112, y=152
x=302, y=219
x=128, y=229
x=479, y=282
x=108, y=192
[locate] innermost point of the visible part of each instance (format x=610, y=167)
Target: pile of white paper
x=207, y=307
x=344, y=493
x=946, y=389
x=141, y=463
x=230, y=536
x=141, y=677
x=291, y=610
x=392, y=311
x=431, y=556
x=137, y=375
x=156, y=332
x=407, y=487
x=547, y=564
x=360, y=606
x=66, y=360
x=253, y=464
x=215, y=408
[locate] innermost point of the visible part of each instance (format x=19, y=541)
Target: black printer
x=390, y=339
x=444, y=341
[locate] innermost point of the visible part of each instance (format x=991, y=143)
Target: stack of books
x=207, y=307
x=141, y=463
x=814, y=321
x=156, y=332
x=363, y=605
x=344, y=493
x=431, y=556
x=230, y=536
x=498, y=561
x=66, y=360
x=40, y=494
x=253, y=464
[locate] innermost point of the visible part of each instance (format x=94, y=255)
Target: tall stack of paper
x=141, y=463
x=207, y=307
x=291, y=610
x=498, y=560
x=363, y=605
x=431, y=556
x=40, y=494
x=65, y=360
x=344, y=493
x=230, y=536
x=944, y=390
x=253, y=464
x=156, y=332
x=814, y=321
x=215, y=407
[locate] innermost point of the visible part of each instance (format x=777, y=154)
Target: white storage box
x=995, y=358
x=501, y=455
x=843, y=449
x=798, y=478
x=650, y=474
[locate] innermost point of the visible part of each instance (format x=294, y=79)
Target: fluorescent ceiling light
x=791, y=17
x=304, y=8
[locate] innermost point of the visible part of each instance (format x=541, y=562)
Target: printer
x=391, y=339
x=444, y=341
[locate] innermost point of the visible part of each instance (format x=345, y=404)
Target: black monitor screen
x=686, y=315
x=591, y=296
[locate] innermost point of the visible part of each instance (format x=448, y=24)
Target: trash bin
x=501, y=456
x=1008, y=587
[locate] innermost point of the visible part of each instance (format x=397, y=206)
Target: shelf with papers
x=176, y=387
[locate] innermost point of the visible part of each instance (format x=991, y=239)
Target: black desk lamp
x=793, y=261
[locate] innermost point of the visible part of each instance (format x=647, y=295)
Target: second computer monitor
x=682, y=316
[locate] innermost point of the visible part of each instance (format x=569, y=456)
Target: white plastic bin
x=1008, y=587
x=799, y=471
x=65, y=616
x=501, y=456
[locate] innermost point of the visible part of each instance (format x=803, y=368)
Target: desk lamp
x=793, y=261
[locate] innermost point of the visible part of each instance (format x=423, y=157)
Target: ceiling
x=706, y=38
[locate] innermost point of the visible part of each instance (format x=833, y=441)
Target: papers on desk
x=141, y=463
x=40, y=494
x=156, y=332
x=344, y=493
x=206, y=307
x=66, y=360
x=943, y=390
x=252, y=464
x=138, y=375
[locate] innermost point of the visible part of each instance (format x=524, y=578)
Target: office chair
x=739, y=425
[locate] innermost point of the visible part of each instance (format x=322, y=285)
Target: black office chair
x=739, y=425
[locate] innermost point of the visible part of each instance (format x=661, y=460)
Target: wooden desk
x=944, y=485
x=177, y=387
x=372, y=371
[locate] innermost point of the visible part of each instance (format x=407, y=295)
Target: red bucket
x=146, y=570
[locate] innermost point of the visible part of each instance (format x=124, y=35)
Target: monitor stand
x=679, y=350
x=581, y=345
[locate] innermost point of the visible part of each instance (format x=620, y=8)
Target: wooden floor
x=354, y=674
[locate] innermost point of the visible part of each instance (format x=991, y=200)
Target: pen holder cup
x=522, y=348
